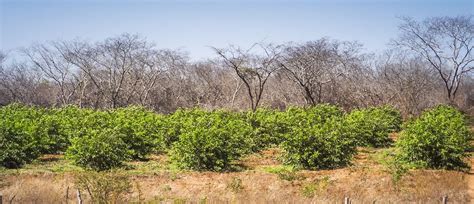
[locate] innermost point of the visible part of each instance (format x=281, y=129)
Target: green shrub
x=18, y=142
x=52, y=139
x=439, y=138
x=174, y=124
x=269, y=127
x=317, y=138
x=140, y=129
x=306, y=117
x=211, y=141
x=74, y=121
x=371, y=126
x=99, y=150
x=320, y=146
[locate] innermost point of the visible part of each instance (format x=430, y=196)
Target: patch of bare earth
x=365, y=181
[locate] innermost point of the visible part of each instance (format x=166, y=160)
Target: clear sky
x=193, y=25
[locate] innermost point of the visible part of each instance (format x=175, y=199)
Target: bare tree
x=3, y=91
x=316, y=66
x=446, y=43
x=3, y=57
x=114, y=67
x=253, y=69
x=174, y=87
x=406, y=82
x=21, y=84
x=80, y=54
x=48, y=59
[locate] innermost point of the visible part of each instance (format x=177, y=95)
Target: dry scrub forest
x=121, y=121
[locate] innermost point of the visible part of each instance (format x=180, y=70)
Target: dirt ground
x=262, y=179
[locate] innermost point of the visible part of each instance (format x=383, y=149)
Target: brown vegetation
x=431, y=62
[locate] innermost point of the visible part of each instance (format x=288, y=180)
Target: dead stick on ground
x=445, y=199
x=346, y=200
x=11, y=199
x=67, y=194
x=79, y=200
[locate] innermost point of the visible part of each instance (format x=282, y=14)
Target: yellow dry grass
x=365, y=181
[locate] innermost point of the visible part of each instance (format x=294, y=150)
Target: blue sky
x=194, y=25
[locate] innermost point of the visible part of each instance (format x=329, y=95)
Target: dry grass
x=365, y=181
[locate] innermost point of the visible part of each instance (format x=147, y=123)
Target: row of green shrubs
x=319, y=137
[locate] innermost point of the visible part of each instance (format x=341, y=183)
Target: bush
x=439, y=138
x=211, y=141
x=52, y=138
x=74, y=121
x=99, y=150
x=371, y=126
x=18, y=142
x=140, y=129
x=174, y=124
x=306, y=117
x=269, y=127
x=324, y=145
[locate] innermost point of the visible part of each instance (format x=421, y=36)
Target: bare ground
x=261, y=180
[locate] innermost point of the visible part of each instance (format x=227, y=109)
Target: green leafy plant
x=371, y=126
x=19, y=143
x=317, y=138
x=269, y=127
x=211, y=141
x=321, y=146
x=439, y=138
x=52, y=137
x=139, y=128
x=393, y=165
x=307, y=117
x=99, y=150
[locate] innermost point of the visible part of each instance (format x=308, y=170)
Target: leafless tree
x=20, y=84
x=128, y=69
x=316, y=66
x=49, y=61
x=406, y=82
x=253, y=69
x=116, y=67
x=3, y=91
x=446, y=43
x=3, y=57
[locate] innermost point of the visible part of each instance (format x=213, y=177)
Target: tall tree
x=446, y=43
x=48, y=60
x=316, y=65
x=254, y=68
